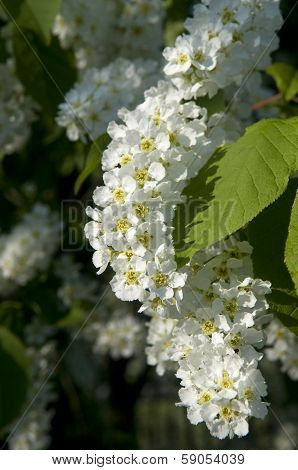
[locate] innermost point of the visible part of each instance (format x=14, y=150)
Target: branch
x=266, y=102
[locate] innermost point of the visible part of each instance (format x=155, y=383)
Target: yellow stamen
x=208, y=327
x=141, y=176
x=156, y=118
x=227, y=413
x=235, y=341
x=147, y=144
x=199, y=55
x=128, y=253
x=226, y=381
x=144, y=239
x=204, y=397
x=122, y=225
x=227, y=16
x=119, y=195
x=248, y=393
x=182, y=58
x=157, y=302
x=141, y=210
x=160, y=279
x=131, y=277
x=125, y=159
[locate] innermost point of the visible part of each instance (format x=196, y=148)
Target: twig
x=266, y=102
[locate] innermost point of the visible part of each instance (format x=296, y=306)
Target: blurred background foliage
x=100, y=403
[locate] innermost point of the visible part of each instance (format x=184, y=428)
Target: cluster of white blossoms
x=85, y=25
x=7, y=287
x=211, y=340
x=75, y=286
x=226, y=40
x=32, y=431
x=17, y=111
x=282, y=345
x=114, y=330
x=207, y=317
x=160, y=339
x=101, y=30
x=94, y=101
x=115, y=43
x=29, y=247
x=162, y=144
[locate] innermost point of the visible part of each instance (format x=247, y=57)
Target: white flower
x=28, y=249
x=17, y=111
x=251, y=387
x=179, y=57
x=75, y=286
x=225, y=41
x=129, y=284
x=160, y=340
x=230, y=419
x=221, y=390
x=238, y=301
x=33, y=431
x=120, y=335
x=139, y=194
x=99, y=31
x=94, y=101
x=163, y=278
x=282, y=345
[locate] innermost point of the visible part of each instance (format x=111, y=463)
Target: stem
x=266, y=102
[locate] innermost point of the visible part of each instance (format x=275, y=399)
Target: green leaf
x=43, y=300
x=93, y=160
x=47, y=73
x=14, y=376
x=36, y=15
x=291, y=253
x=176, y=13
x=177, y=10
x=267, y=233
x=11, y=7
x=172, y=30
x=44, y=13
x=75, y=316
x=286, y=78
x=196, y=201
x=213, y=105
x=249, y=176
x=285, y=305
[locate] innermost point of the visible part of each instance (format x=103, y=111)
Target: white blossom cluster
x=101, y=30
x=162, y=144
x=213, y=307
x=112, y=328
x=32, y=431
x=160, y=339
x=139, y=28
x=75, y=286
x=115, y=331
x=226, y=40
x=29, y=247
x=94, y=101
x=7, y=287
x=282, y=345
x=211, y=342
x=17, y=111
